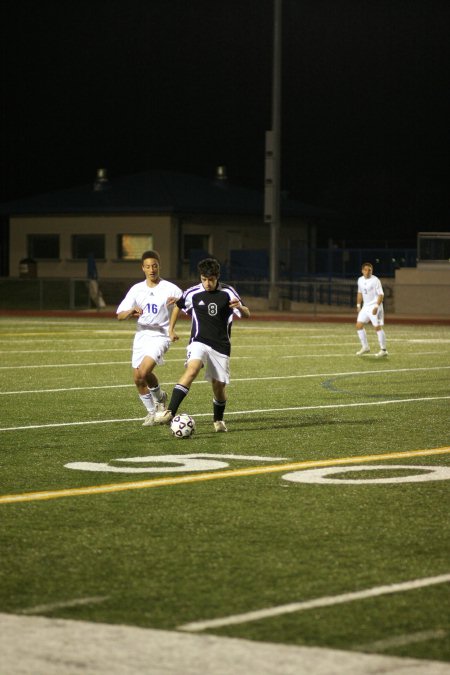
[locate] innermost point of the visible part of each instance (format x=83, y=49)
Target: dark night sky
x=185, y=85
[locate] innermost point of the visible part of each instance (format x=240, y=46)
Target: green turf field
x=226, y=527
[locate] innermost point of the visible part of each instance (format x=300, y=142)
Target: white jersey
x=153, y=302
x=370, y=289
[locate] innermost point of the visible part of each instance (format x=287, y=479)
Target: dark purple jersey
x=211, y=315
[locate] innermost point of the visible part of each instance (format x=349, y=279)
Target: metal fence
x=42, y=294
x=346, y=262
x=73, y=294
x=301, y=262
x=311, y=296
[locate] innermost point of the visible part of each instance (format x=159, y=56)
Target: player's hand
x=136, y=311
x=173, y=336
x=242, y=310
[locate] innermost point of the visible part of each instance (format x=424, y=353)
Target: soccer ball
x=182, y=426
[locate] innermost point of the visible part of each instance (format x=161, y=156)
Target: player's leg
x=143, y=365
x=218, y=371
x=144, y=379
x=361, y=331
x=180, y=391
x=381, y=335
x=378, y=323
x=196, y=359
x=148, y=352
x=219, y=403
x=156, y=347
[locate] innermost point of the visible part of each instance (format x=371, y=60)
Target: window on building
x=195, y=243
x=43, y=246
x=433, y=246
x=85, y=244
x=132, y=246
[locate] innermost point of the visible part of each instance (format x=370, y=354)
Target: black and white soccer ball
x=182, y=426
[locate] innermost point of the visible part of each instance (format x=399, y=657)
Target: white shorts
x=147, y=343
x=365, y=315
x=217, y=365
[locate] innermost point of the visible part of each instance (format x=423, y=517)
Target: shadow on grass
x=272, y=422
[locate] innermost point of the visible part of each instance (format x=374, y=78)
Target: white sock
x=156, y=393
x=147, y=400
x=381, y=338
x=363, y=337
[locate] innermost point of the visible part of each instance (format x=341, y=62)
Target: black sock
x=219, y=409
x=178, y=394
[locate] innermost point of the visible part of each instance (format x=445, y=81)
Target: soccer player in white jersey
x=369, y=304
x=151, y=302
x=212, y=306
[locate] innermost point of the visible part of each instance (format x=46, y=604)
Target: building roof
x=155, y=192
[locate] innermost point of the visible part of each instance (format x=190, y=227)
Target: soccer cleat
x=382, y=352
x=363, y=350
x=149, y=420
x=220, y=426
x=164, y=417
x=161, y=405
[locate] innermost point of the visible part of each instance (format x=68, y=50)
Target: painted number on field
x=168, y=463
x=329, y=476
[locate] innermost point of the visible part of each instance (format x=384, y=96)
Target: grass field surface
x=320, y=519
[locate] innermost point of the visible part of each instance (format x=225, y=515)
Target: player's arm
x=129, y=313
x=243, y=311
x=173, y=319
x=358, y=301
x=380, y=299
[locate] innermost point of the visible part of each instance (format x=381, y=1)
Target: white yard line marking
x=237, y=379
x=76, y=602
x=253, y=345
x=126, y=350
x=66, y=389
x=367, y=357
x=348, y=372
x=327, y=601
x=331, y=406
x=67, y=365
x=72, y=424
x=72, y=351
x=200, y=477
x=401, y=640
x=92, y=363
x=335, y=405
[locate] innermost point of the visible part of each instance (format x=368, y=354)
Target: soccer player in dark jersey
x=212, y=306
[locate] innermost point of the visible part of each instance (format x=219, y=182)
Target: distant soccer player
x=152, y=302
x=369, y=303
x=212, y=306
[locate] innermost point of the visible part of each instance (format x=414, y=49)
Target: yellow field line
x=232, y=473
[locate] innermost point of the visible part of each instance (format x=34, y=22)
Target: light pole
x=272, y=162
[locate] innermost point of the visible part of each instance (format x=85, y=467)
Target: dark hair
x=367, y=264
x=150, y=254
x=209, y=267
